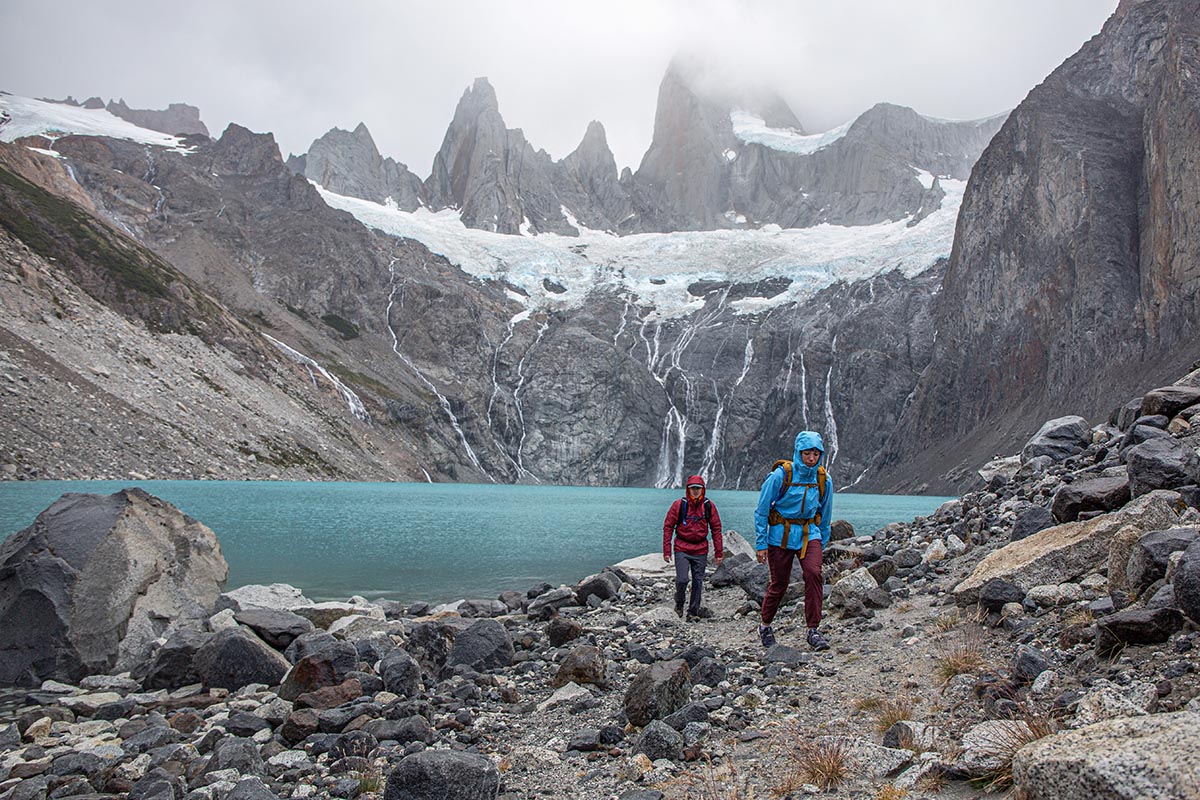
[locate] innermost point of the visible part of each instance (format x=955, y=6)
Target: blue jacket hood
x=807, y=440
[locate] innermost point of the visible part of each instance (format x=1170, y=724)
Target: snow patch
x=656, y=269
x=923, y=176
x=752, y=129
x=29, y=117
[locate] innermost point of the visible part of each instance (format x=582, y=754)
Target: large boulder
x=1170, y=400
x=328, y=667
x=658, y=690
x=443, y=775
x=1070, y=551
x=1058, y=439
x=1136, y=626
x=483, y=646
x=1119, y=759
x=584, y=664
x=281, y=596
x=1148, y=558
x=235, y=657
x=1030, y=520
x=1094, y=494
x=94, y=582
x=174, y=662
x=401, y=673
x=1162, y=463
x=1186, y=582
x=603, y=585
x=274, y=626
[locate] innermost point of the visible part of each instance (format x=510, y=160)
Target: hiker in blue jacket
x=792, y=521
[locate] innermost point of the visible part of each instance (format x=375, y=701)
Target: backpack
x=775, y=518
x=683, y=508
x=707, y=511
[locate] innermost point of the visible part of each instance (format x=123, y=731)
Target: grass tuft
x=890, y=792
x=720, y=782
x=1011, y=736
x=962, y=655
x=894, y=709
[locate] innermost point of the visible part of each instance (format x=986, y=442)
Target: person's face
x=810, y=457
x=694, y=491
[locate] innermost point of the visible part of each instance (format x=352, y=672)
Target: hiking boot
x=766, y=635
x=816, y=640
x=679, y=607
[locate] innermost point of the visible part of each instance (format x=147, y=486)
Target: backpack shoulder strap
x=822, y=476
x=708, y=511
x=787, y=475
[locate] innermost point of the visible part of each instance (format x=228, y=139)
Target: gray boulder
x=95, y=580
x=603, y=585
x=280, y=596
x=657, y=691
x=235, y=657
x=1186, y=582
x=483, y=646
x=659, y=740
x=401, y=673
x=1170, y=400
x=274, y=626
x=174, y=662
x=731, y=570
x=1120, y=759
x=443, y=775
x=1136, y=626
x=1161, y=463
x=1094, y=494
x=1148, y=559
x=1058, y=439
x=545, y=605
x=1030, y=520
x=234, y=752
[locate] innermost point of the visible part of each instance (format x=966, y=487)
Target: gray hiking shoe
x=816, y=640
x=766, y=635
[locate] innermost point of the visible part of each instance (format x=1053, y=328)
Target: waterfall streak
x=442, y=401
x=352, y=400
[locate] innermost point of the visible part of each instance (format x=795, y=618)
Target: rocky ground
x=1040, y=630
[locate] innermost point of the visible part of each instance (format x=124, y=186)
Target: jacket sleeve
x=714, y=526
x=669, y=527
x=766, y=495
x=826, y=511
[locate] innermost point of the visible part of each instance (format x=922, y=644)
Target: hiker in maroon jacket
x=689, y=521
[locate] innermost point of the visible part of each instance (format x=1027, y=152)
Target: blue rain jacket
x=799, y=502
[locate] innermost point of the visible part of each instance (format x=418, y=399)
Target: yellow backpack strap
x=821, y=484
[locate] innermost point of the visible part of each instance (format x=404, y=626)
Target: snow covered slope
x=657, y=268
x=24, y=116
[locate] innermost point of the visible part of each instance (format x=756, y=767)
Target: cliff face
x=1074, y=276
x=347, y=162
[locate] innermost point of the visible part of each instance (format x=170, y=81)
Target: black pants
x=695, y=565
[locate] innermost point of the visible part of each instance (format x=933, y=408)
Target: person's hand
x=718, y=561
x=761, y=555
x=667, y=557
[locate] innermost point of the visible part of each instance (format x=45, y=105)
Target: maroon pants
x=779, y=561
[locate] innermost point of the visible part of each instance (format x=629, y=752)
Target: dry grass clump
x=1011, y=737
x=869, y=704
x=961, y=655
x=894, y=709
x=720, y=782
x=824, y=762
x=890, y=792
x=944, y=623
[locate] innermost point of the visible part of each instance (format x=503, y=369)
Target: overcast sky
x=299, y=67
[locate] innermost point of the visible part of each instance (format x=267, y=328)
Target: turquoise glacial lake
x=435, y=542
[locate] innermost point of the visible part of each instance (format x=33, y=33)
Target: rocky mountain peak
x=240, y=151
x=176, y=119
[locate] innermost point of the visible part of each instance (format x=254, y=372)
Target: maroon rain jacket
x=691, y=534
